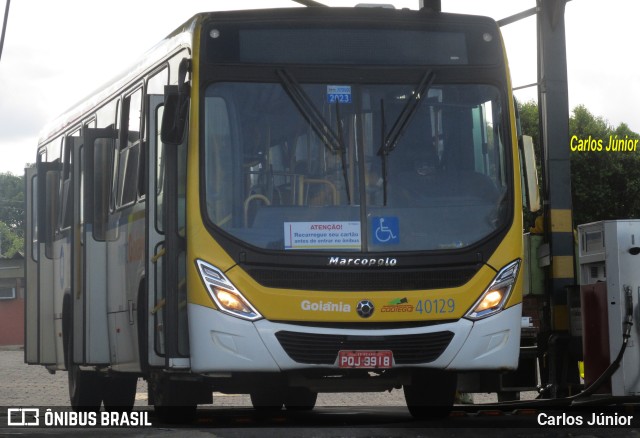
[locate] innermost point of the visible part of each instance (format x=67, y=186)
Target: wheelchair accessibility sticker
x=385, y=230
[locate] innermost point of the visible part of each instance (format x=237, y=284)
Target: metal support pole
x=5, y=23
x=553, y=103
x=311, y=3
x=554, y=123
x=517, y=17
x=431, y=5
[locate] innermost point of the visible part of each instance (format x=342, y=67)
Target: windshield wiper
x=407, y=112
x=317, y=121
x=389, y=142
x=343, y=153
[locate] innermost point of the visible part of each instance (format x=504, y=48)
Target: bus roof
x=183, y=36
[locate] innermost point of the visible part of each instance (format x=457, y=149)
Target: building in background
x=12, y=300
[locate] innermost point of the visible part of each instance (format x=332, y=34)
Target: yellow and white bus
x=283, y=202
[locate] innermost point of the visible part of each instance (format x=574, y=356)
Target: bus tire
x=431, y=393
x=176, y=414
x=85, y=389
x=505, y=396
x=267, y=400
x=173, y=402
x=67, y=328
x=143, y=331
x=300, y=399
x=120, y=393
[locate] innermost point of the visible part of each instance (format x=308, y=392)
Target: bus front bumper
x=224, y=344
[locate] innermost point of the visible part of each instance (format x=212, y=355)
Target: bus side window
x=155, y=86
x=36, y=222
x=34, y=218
x=101, y=185
x=219, y=177
x=129, y=151
x=99, y=165
x=52, y=204
x=49, y=195
x=66, y=196
x=487, y=142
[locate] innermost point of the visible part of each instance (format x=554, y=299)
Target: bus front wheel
x=300, y=399
x=431, y=393
x=267, y=399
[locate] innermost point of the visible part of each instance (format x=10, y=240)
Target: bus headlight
x=228, y=299
x=495, y=296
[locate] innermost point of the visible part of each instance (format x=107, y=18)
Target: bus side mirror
x=530, y=173
x=176, y=107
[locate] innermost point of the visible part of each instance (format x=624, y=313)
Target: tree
x=528, y=112
x=10, y=242
x=529, y=123
x=12, y=202
x=604, y=184
x=11, y=214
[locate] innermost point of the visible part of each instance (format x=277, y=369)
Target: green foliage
x=10, y=242
x=11, y=214
x=584, y=124
x=12, y=202
x=529, y=123
x=604, y=185
x=528, y=112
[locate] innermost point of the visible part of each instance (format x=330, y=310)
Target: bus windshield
x=304, y=166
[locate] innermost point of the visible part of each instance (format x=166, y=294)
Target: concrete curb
x=11, y=347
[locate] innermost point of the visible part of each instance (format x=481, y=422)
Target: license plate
x=365, y=359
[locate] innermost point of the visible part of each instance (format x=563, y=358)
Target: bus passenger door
x=166, y=317
x=31, y=323
x=42, y=186
x=39, y=331
x=92, y=193
x=152, y=322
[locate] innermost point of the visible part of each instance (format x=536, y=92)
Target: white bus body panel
x=60, y=286
x=95, y=306
x=47, y=335
x=493, y=343
x=124, y=267
x=116, y=285
x=222, y=343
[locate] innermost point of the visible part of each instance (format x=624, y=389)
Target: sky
x=57, y=52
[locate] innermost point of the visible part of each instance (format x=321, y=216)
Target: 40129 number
x=436, y=306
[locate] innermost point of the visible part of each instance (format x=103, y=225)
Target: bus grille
x=320, y=349
x=332, y=280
